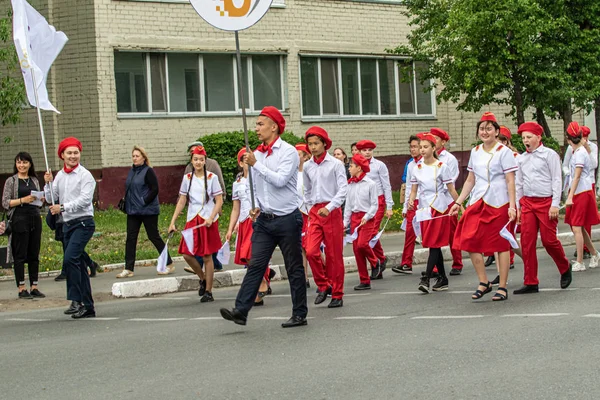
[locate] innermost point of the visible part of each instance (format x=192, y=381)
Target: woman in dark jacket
x=141, y=207
x=25, y=240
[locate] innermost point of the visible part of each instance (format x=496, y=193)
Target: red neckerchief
x=356, y=179
x=440, y=151
x=266, y=148
x=416, y=160
x=69, y=170
x=320, y=159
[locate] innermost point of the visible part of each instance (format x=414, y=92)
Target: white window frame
x=342, y=116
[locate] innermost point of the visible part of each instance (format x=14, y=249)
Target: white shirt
x=325, y=182
x=241, y=192
x=75, y=191
x=451, y=162
x=490, y=170
x=409, y=174
x=362, y=197
x=275, y=179
x=593, y=157
x=198, y=205
x=432, y=181
x=539, y=175
x=580, y=159
x=380, y=175
x=301, y=198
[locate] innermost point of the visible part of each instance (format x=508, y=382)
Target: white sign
x=231, y=15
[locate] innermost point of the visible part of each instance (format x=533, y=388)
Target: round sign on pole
x=231, y=15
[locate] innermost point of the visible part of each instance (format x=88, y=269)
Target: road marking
x=357, y=294
x=104, y=318
x=367, y=317
x=273, y=318
x=448, y=316
x=401, y=292
x=155, y=319
x=27, y=319
x=556, y=289
x=164, y=298
x=536, y=315
x=205, y=318
x=592, y=316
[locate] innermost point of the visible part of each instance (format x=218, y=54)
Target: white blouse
x=241, y=192
x=198, y=205
x=580, y=158
x=490, y=169
x=432, y=181
x=301, y=197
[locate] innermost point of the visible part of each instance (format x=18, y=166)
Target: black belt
x=269, y=215
x=78, y=220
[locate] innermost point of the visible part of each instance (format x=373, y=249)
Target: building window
x=339, y=87
x=198, y=84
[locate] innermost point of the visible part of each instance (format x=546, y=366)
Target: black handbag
x=121, y=204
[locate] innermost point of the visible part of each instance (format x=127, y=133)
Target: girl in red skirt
x=491, y=185
x=433, y=180
x=581, y=202
x=205, y=196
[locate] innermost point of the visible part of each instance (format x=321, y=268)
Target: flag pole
x=241, y=93
x=39, y=113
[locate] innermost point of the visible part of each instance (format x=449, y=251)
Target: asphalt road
x=389, y=343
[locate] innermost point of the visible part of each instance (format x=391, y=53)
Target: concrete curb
x=234, y=277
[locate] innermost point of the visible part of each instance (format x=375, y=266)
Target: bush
x=224, y=146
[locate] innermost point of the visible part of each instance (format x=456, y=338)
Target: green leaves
x=12, y=89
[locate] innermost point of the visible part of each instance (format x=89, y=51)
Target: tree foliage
x=542, y=54
x=12, y=89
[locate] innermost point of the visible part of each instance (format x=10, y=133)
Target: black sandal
x=261, y=295
x=479, y=293
x=499, y=296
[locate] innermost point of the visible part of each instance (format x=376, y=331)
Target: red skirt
x=243, y=244
x=478, y=230
x=436, y=232
x=304, y=229
x=207, y=241
x=584, y=211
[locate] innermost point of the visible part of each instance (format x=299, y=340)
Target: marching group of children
x=506, y=191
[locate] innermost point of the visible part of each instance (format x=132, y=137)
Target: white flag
x=351, y=238
x=188, y=236
x=505, y=233
x=404, y=224
x=416, y=227
x=37, y=44
x=224, y=254
x=375, y=238
x=161, y=263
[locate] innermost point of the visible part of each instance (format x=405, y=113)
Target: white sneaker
x=125, y=274
x=578, y=267
x=594, y=260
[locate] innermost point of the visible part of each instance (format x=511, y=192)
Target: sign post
x=228, y=16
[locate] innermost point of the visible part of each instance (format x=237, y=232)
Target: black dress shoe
x=61, y=277
x=381, y=269
x=202, y=288
x=73, y=308
x=455, y=271
x=294, y=321
x=566, y=278
x=259, y=303
x=93, y=269
x=363, y=286
x=527, y=289
x=490, y=260
x=376, y=271
x=272, y=274
x=335, y=303
x=233, y=315
x=24, y=294
x=322, y=296
x=84, y=313
x=37, y=294
x=496, y=280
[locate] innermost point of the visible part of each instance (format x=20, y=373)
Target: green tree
x=12, y=89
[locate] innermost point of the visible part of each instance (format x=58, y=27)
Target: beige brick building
x=153, y=73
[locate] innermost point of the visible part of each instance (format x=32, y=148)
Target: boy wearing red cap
x=74, y=186
x=581, y=202
x=325, y=190
x=380, y=175
x=451, y=162
x=538, y=184
x=359, y=211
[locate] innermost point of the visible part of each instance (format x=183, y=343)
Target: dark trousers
x=59, y=236
x=436, y=259
x=285, y=232
x=134, y=223
x=76, y=237
x=25, y=246
x=217, y=264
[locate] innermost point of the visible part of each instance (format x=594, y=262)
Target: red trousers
x=534, y=217
x=456, y=254
x=378, y=250
x=330, y=231
x=409, y=238
x=362, y=251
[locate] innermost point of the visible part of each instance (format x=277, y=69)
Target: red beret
x=303, y=147
x=532, y=127
x=274, y=115
x=504, y=131
x=366, y=144
x=68, y=142
x=586, y=131
x=320, y=132
x=199, y=150
x=488, y=116
x=442, y=134
x=362, y=162
x=427, y=136
x=574, y=130
x=241, y=154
